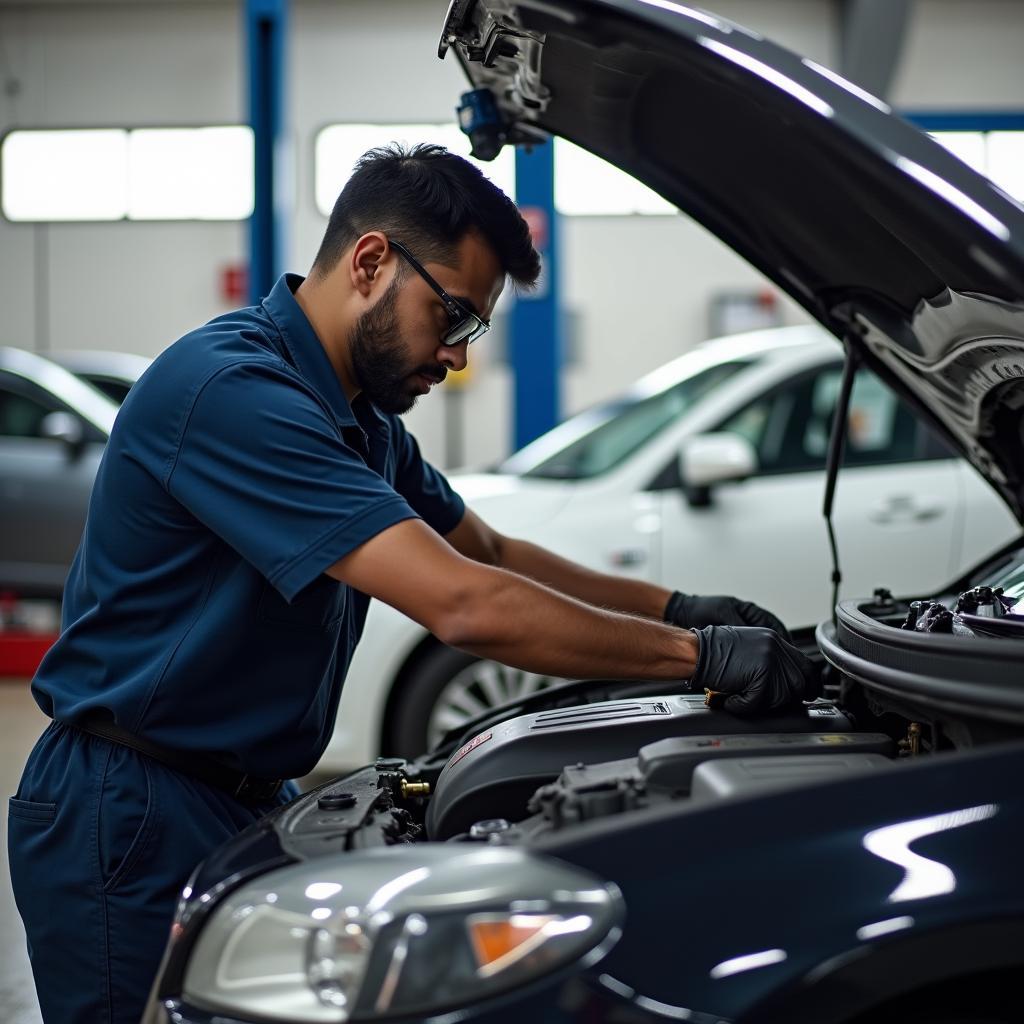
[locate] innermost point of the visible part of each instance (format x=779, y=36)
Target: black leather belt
x=245, y=788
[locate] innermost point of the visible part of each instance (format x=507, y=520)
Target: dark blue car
x=616, y=852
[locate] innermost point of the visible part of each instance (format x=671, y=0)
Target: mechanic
x=257, y=490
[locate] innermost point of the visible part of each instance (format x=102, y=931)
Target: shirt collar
x=305, y=348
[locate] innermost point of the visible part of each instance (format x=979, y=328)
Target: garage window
x=339, y=146
x=991, y=143
x=997, y=155
x=587, y=186
x=109, y=174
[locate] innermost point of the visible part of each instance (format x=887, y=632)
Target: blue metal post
x=266, y=27
x=535, y=343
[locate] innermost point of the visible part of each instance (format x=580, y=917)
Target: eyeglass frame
x=457, y=312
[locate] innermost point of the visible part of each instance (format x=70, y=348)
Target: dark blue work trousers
x=101, y=841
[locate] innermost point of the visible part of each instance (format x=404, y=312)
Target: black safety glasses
x=465, y=325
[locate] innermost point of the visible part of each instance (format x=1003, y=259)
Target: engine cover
x=496, y=772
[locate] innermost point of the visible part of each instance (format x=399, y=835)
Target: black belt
x=246, y=788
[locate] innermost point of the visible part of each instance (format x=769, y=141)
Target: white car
x=707, y=477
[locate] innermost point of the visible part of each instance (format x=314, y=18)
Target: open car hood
x=887, y=239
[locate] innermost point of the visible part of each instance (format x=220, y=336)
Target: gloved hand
x=751, y=670
x=693, y=612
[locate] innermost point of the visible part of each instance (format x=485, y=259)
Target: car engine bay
x=903, y=679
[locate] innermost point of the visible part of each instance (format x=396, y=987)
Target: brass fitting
x=414, y=789
x=911, y=746
x=914, y=736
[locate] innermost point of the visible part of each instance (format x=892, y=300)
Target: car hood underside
x=893, y=244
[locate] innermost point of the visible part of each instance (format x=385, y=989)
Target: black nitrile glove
x=693, y=612
x=751, y=670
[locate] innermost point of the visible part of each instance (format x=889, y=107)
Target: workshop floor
x=21, y=722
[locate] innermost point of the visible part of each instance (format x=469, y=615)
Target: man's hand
x=751, y=670
x=694, y=612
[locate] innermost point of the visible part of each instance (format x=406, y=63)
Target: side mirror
x=710, y=459
x=63, y=427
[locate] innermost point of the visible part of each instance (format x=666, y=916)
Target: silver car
x=53, y=428
x=113, y=373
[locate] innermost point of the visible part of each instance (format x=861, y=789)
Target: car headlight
x=397, y=931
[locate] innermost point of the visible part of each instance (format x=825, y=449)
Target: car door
x=897, y=512
x=45, y=484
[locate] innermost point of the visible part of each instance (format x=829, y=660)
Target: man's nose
x=454, y=357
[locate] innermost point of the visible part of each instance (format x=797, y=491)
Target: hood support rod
x=836, y=443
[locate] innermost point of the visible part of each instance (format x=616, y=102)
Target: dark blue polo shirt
x=197, y=609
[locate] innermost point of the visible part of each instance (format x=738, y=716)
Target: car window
x=789, y=427
x=21, y=415
x=24, y=405
x=623, y=428
x=114, y=388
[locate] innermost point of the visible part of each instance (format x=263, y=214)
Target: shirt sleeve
x=423, y=487
x=262, y=464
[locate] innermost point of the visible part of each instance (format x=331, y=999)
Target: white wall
x=128, y=286
x=136, y=286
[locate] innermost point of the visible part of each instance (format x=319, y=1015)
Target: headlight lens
x=397, y=931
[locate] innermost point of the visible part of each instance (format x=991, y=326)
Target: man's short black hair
x=427, y=198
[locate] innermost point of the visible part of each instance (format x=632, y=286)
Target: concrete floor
x=21, y=722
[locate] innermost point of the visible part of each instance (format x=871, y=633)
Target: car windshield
x=115, y=388
x=1012, y=582
x=599, y=439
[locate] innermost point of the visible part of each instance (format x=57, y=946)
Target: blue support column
x=266, y=28
x=535, y=343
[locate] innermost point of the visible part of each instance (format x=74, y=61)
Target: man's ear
x=368, y=255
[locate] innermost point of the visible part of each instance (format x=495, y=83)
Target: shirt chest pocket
x=318, y=606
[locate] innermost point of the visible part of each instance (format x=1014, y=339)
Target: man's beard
x=380, y=359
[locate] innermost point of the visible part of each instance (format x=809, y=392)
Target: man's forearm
x=637, y=597
x=470, y=603
x=523, y=623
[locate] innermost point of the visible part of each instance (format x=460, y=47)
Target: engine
x=893, y=666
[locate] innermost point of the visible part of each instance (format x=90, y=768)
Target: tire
x=446, y=688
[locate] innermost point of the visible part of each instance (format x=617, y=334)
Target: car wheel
x=447, y=689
